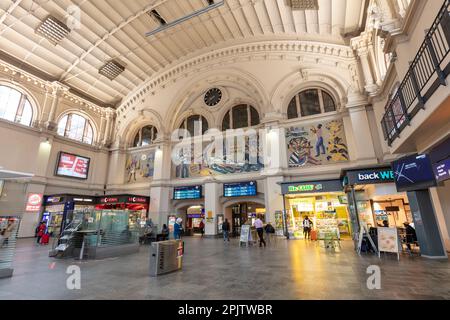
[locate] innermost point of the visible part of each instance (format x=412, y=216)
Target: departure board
x=190, y=192
x=241, y=189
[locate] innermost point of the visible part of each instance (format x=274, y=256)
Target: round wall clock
x=213, y=97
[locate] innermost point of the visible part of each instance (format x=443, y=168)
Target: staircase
x=65, y=242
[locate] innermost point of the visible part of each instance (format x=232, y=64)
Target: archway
x=192, y=213
x=243, y=212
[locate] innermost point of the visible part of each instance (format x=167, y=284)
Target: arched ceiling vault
x=112, y=29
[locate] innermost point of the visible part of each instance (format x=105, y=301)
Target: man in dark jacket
x=226, y=230
x=411, y=236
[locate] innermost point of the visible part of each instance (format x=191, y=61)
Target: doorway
x=243, y=213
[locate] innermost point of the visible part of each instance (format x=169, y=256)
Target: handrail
x=417, y=88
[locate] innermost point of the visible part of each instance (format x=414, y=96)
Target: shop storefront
x=58, y=210
x=138, y=205
x=374, y=200
x=323, y=202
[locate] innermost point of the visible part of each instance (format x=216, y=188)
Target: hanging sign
x=34, y=202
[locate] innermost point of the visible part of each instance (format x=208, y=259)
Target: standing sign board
x=388, y=241
x=246, y=235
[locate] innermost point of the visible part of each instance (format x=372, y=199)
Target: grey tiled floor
x=214, y=270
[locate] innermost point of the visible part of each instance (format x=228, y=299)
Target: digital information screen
x=442, y=170
x=191, y=192
x=413, y=173
x=72, y=166
x=241, y=189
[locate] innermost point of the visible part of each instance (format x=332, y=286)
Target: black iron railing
x=431, y=62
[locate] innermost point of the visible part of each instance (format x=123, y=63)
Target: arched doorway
x=239, y=213
x=192, y=215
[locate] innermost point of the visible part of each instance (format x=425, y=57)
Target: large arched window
x=310, y=102
x=240, y=116
x=76, y=127
x=15, y=106
x=195, y=125
x=145, y=136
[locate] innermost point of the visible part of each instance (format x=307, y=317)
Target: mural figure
x=132, y=165
x=300, y=144
x=140, y=166
x=319, y=143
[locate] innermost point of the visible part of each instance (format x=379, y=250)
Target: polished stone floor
x=217, y=270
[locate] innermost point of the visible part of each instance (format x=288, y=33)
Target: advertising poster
x=388, y=240
x=73, y=166
x=34, y=202
x=140, y=166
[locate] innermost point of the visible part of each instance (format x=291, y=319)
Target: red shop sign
x=137, y=200
x=34, y=202
x=109, y=200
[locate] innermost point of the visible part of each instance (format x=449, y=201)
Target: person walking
x=177, y=229
x=202, y=227
x=270, y=230
x=226, y=230
x=307, y=225
x=41, y=231
x=258, y=224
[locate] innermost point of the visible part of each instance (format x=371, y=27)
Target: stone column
x=362, y=135
x=108, y=128
x=51, y=124
x=160, y=192
x=213, y=207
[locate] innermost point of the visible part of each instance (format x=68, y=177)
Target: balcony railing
x=427, y=72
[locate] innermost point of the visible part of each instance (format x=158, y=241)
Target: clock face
x=213, y=97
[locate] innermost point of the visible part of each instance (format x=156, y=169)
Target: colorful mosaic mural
x=316, y=144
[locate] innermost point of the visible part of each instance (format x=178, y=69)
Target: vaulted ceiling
x=115, y=29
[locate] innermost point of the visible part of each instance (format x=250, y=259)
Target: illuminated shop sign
x=109, y=200
x=137, y=200
x=370, y=176
x=311, y=187
x=34, y=202
x=305, y=188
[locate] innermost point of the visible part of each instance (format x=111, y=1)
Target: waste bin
x=166, y=256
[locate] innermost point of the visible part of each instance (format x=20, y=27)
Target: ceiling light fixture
x=166, y=26
x=53, y=30
x=111, y=69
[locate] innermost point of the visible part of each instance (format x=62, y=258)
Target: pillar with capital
x=362, y=46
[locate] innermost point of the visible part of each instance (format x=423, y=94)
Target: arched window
x=310, y=102
x=240, y=116
x=145, y=136
x=15, y=106
x=76, y=127
x=195, y=125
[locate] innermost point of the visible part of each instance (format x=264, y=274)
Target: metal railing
x=417, y=87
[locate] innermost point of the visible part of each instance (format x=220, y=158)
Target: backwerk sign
x=370, y=176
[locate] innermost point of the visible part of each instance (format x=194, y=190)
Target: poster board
x=246, y=235
x=388, y=240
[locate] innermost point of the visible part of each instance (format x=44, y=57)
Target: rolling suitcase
x=313, y=235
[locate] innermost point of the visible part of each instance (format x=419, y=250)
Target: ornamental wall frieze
x=303, y=51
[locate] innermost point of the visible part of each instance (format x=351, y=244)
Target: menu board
x=442, y=170
x=191, y=192
x=241, y=189
x=73, y=166
x=388, y=240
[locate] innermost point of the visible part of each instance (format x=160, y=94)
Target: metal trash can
x=166, y=256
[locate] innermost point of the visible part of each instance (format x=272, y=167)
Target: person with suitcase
x=307, y=225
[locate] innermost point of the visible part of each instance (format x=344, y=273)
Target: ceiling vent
x=53, y=30
x=111, y=69
x=304, y=5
